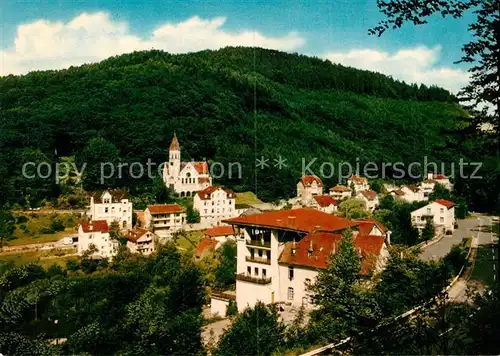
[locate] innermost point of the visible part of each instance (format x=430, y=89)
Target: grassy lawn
x=44, y=258
x=247, y=198
x=37, y=228
x=483, y=268
x=189, y=239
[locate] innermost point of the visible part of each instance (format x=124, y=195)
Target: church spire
x=174, y=145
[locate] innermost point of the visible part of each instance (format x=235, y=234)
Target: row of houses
x=310, y=193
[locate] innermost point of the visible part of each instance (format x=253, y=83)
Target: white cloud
x=414, y=65
x=91, y=37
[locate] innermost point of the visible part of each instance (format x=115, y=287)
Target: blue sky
x=335, y=29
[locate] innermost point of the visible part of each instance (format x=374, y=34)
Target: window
x=256, y=271
x=105, y=210
x=260, y=253
x=249, y=270
x=442, y=210
x=290, y=293
x=290, y=273
x=428, y=210
x=264, y=272
x=441, y=219
x=307, y=282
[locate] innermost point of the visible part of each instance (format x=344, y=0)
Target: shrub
x=231, y=308
x=57, y=225
x=24, y=228
x=72, y=265
x=46, y=230
x=21, y=219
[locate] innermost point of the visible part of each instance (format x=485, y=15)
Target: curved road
x=466, y=228
x=480, y=228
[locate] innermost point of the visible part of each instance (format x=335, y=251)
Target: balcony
x=257, y=280
x=259, y=243
x=258, y=260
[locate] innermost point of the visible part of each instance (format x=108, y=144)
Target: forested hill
x=304, y=108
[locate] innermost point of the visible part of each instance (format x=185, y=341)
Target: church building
x=185, y=178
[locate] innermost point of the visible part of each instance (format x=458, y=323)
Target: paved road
x=483, y=235
x=466, y=227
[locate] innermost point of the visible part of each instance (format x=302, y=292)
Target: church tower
x=174, y=158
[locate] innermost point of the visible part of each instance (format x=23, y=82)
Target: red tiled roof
x=165, y=209
x=358, y=179
x=201, y=167
x=95, y=226
x=366, y=226
x=116, y=195
x=205, y=246
x=223, y=230
x=325, y=200
x=340, y=188
x=445, y=203
x=174, y=145
x=369, y=194
x=440, y=176
x=203, y=180
x=308, y=180
x=303, y=220
x=324, y=244
x=135, y=234
x=205, y=193
x=370, y=246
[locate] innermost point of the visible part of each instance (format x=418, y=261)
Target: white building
x=360, y=184
x=279, y=253
x=410, y=193
x=111, y=205
x=185, y=178
x=325, y=203
x=95, y=235
x=141, y=241
x=307, y=187
x=441, y=211
x=441, y=179
x=214, y=204
x=370, y=198
x=340, y=192
x=429, y=184
x=164, y=219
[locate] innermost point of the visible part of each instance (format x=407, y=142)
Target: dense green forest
x=230, y=105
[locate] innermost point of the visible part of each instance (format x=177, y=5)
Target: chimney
x=310, y=251
x=91, y=227
x=294, y=249
x=430, y=175
x=291, y=220
x=333, y=248
x=278, y=221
